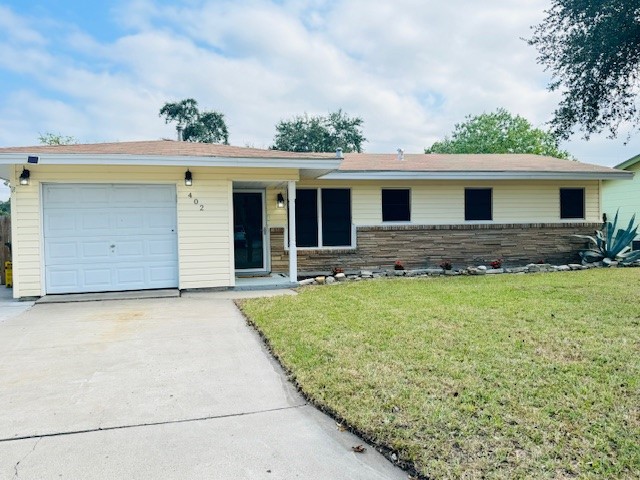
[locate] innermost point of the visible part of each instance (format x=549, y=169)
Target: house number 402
x=196, y=202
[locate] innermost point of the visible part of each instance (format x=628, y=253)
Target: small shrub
x=497, y=263
x=446, y=265
x=398, y=265
x=336, y=270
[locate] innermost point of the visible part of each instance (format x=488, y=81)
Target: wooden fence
x=5, y=237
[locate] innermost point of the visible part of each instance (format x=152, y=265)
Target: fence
x=5, y=237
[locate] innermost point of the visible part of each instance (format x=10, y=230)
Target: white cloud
x=410, y=68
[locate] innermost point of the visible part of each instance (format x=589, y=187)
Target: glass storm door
x=248, y=230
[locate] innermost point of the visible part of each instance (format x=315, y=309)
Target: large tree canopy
x=498, y=132
x=320, y=134
x=592, y=49
x=194, y=125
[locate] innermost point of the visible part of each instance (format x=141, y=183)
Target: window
x=396, y=205
x=478, y=204
x=323, y=217
x=635, y=245
x=572, y=203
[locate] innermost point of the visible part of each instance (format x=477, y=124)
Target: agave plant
x=612, y=243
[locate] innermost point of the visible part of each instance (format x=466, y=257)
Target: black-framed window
x=478, y=204
x=323, y=217
x=572, y=203
x=396, y=205
x=635, y=245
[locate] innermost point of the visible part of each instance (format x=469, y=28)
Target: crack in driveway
x=15, y=467
x=137, y=425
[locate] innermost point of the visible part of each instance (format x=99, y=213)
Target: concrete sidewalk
x=9, y=307
x=159, y=388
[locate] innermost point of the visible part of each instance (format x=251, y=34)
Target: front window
x=478, y=204
x=323, y=217
x=572, y=203
x=396, y=205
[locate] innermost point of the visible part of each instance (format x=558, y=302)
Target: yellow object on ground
x=8, y=273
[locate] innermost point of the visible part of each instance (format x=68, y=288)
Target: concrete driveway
x=176, y=388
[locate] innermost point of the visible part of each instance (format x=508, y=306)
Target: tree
x=56, y=139
x=5, y=207
x=498, y=132
x=194, y=125
x=593, y=52
x=319, y=133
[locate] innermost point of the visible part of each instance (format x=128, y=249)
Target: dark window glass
x=635, y=245
x=307, y=218
x=572, y=203
x=477, y=204
x=336, y=217
x=396, y=205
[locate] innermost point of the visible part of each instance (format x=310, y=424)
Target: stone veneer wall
x=418, y=246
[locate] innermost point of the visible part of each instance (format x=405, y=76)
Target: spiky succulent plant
x=612, y=243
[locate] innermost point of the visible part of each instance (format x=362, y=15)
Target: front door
x=248, y=230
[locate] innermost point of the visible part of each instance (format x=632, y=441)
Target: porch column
x=293, y=253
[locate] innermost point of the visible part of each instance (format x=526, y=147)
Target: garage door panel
x=63, y=278
x=94, y=251
x=110, y=237
x=62, y=251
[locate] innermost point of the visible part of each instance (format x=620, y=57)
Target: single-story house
x=168, y=214
x=623, y=196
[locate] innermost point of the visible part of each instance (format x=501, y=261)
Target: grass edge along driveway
x=512, y=376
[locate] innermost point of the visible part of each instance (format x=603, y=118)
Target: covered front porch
x=257, y=207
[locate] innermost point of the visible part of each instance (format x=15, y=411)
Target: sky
x=411, y=69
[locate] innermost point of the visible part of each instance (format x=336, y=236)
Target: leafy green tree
x=593, y=52
x=498, y=132
x=194, y=125
x=56, y=139
x=304, y=133
x=5, y=207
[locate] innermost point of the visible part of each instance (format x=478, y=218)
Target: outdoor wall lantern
x=280, y=202
x=24, y=176
x=188, y=178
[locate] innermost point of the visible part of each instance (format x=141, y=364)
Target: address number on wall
x=196, y=202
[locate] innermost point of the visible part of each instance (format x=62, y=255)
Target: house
x=167, y=214
x=623, y=196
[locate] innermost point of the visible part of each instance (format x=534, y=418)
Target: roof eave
x=320, y=163
x=628, y=163
x=474, y=175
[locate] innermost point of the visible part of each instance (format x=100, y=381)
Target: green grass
x=508, y=376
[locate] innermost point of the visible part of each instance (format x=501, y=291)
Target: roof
x=628, y=163
x=354, y=166
x=162, y=148
x=467, y=166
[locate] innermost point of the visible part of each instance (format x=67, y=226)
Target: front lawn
x=508, y=376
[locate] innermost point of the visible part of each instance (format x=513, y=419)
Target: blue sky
x=100, y=71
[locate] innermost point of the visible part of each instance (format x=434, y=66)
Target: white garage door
x=100, y=238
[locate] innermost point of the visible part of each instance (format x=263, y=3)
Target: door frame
x=266, y=263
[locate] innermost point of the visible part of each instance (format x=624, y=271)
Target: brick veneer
x=428, y=245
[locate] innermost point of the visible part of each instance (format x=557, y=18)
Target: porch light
x=188, y=178
x=280, y=202
x=24, y=176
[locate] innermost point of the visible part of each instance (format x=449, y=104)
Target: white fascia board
x=159, y=160
x=398, y=175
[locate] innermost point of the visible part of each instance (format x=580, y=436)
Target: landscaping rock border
x=471, y=270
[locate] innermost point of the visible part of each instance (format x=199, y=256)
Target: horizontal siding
x=442, y=202
x=623, y=195
x=204, y=236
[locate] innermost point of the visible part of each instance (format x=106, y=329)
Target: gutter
x=476, y=175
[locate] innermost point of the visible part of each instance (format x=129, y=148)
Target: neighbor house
x=166, y=214
x=624, y=196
